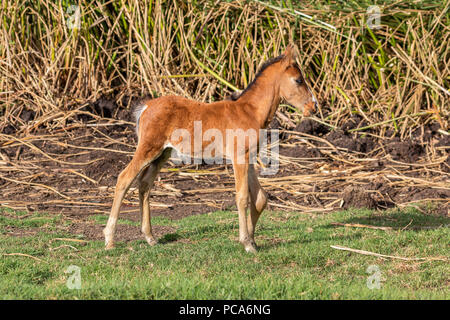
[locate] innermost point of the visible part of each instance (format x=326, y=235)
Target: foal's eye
x=299, y=81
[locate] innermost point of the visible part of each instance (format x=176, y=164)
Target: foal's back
x=168, y=113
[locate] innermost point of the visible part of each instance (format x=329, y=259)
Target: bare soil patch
x=357, y=197
x=124, y=232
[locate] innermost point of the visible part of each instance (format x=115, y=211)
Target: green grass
x=202, y=259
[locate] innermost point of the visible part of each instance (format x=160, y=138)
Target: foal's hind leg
x=145, y=184
x=140, y=160
x=258, y=202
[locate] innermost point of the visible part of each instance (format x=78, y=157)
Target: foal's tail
x=137, y=112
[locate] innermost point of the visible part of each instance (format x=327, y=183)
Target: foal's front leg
x=258, y=202
x=242, y=199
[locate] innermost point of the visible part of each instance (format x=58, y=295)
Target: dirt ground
x=73, y=171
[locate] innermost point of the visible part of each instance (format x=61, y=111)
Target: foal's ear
x=289, y=55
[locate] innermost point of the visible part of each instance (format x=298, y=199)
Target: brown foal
x=157, y=119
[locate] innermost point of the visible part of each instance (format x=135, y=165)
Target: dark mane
x=266, y=64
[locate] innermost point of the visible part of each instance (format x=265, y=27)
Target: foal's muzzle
x=310, y=108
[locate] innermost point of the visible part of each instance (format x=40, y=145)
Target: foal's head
x=293, y=87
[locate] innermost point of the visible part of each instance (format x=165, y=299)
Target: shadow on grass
x=396, y=220
x=270, y=244
x=170, y=237
x=206, y=231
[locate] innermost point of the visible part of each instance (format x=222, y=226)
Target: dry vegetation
x=66, y=94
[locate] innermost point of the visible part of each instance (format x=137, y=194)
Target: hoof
x=250, y=246
x=109, y=245
x=251, y=249
x=151, y=241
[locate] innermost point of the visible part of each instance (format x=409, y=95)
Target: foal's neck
x=264, y=97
